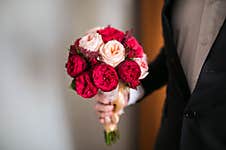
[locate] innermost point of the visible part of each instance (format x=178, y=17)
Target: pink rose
x=142, y=62
x=91, y=42
x=112, y=53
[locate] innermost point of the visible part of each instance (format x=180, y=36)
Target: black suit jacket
x=197, y=120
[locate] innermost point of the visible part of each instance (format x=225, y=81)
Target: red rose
x=84, y=85
x=110, y=33
x=129, y=72
x=105, y=77
x=75, y=65
x=135, y=50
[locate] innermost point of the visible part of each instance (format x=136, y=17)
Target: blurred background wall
x=37, y=109
x=150, y=33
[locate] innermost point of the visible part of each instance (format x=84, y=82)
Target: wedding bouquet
x=110, y=61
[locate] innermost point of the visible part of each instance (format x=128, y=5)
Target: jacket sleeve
x=158, y=75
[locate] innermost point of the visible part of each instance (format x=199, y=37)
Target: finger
x=107, y=120
x=106, y=114
x=102, y=99
x=104, y=104
x=102, y=114
x=104, y=108
x=101, y=120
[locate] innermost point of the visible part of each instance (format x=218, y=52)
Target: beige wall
x=37, y=110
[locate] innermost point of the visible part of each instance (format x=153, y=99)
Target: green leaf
x=79, y=52
x=73, y=84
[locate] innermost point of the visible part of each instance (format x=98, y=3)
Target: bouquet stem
x=111, y=128
x=111, y=137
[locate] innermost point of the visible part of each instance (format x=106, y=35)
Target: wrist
x=135, y=95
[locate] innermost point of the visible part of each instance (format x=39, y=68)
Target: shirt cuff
x=135, y=95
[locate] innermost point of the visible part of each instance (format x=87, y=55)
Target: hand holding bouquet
x=108, y=61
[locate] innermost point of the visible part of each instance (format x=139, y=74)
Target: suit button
x=190, y=114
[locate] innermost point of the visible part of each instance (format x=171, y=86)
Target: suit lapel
x=212, y=21
x=213, y=18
